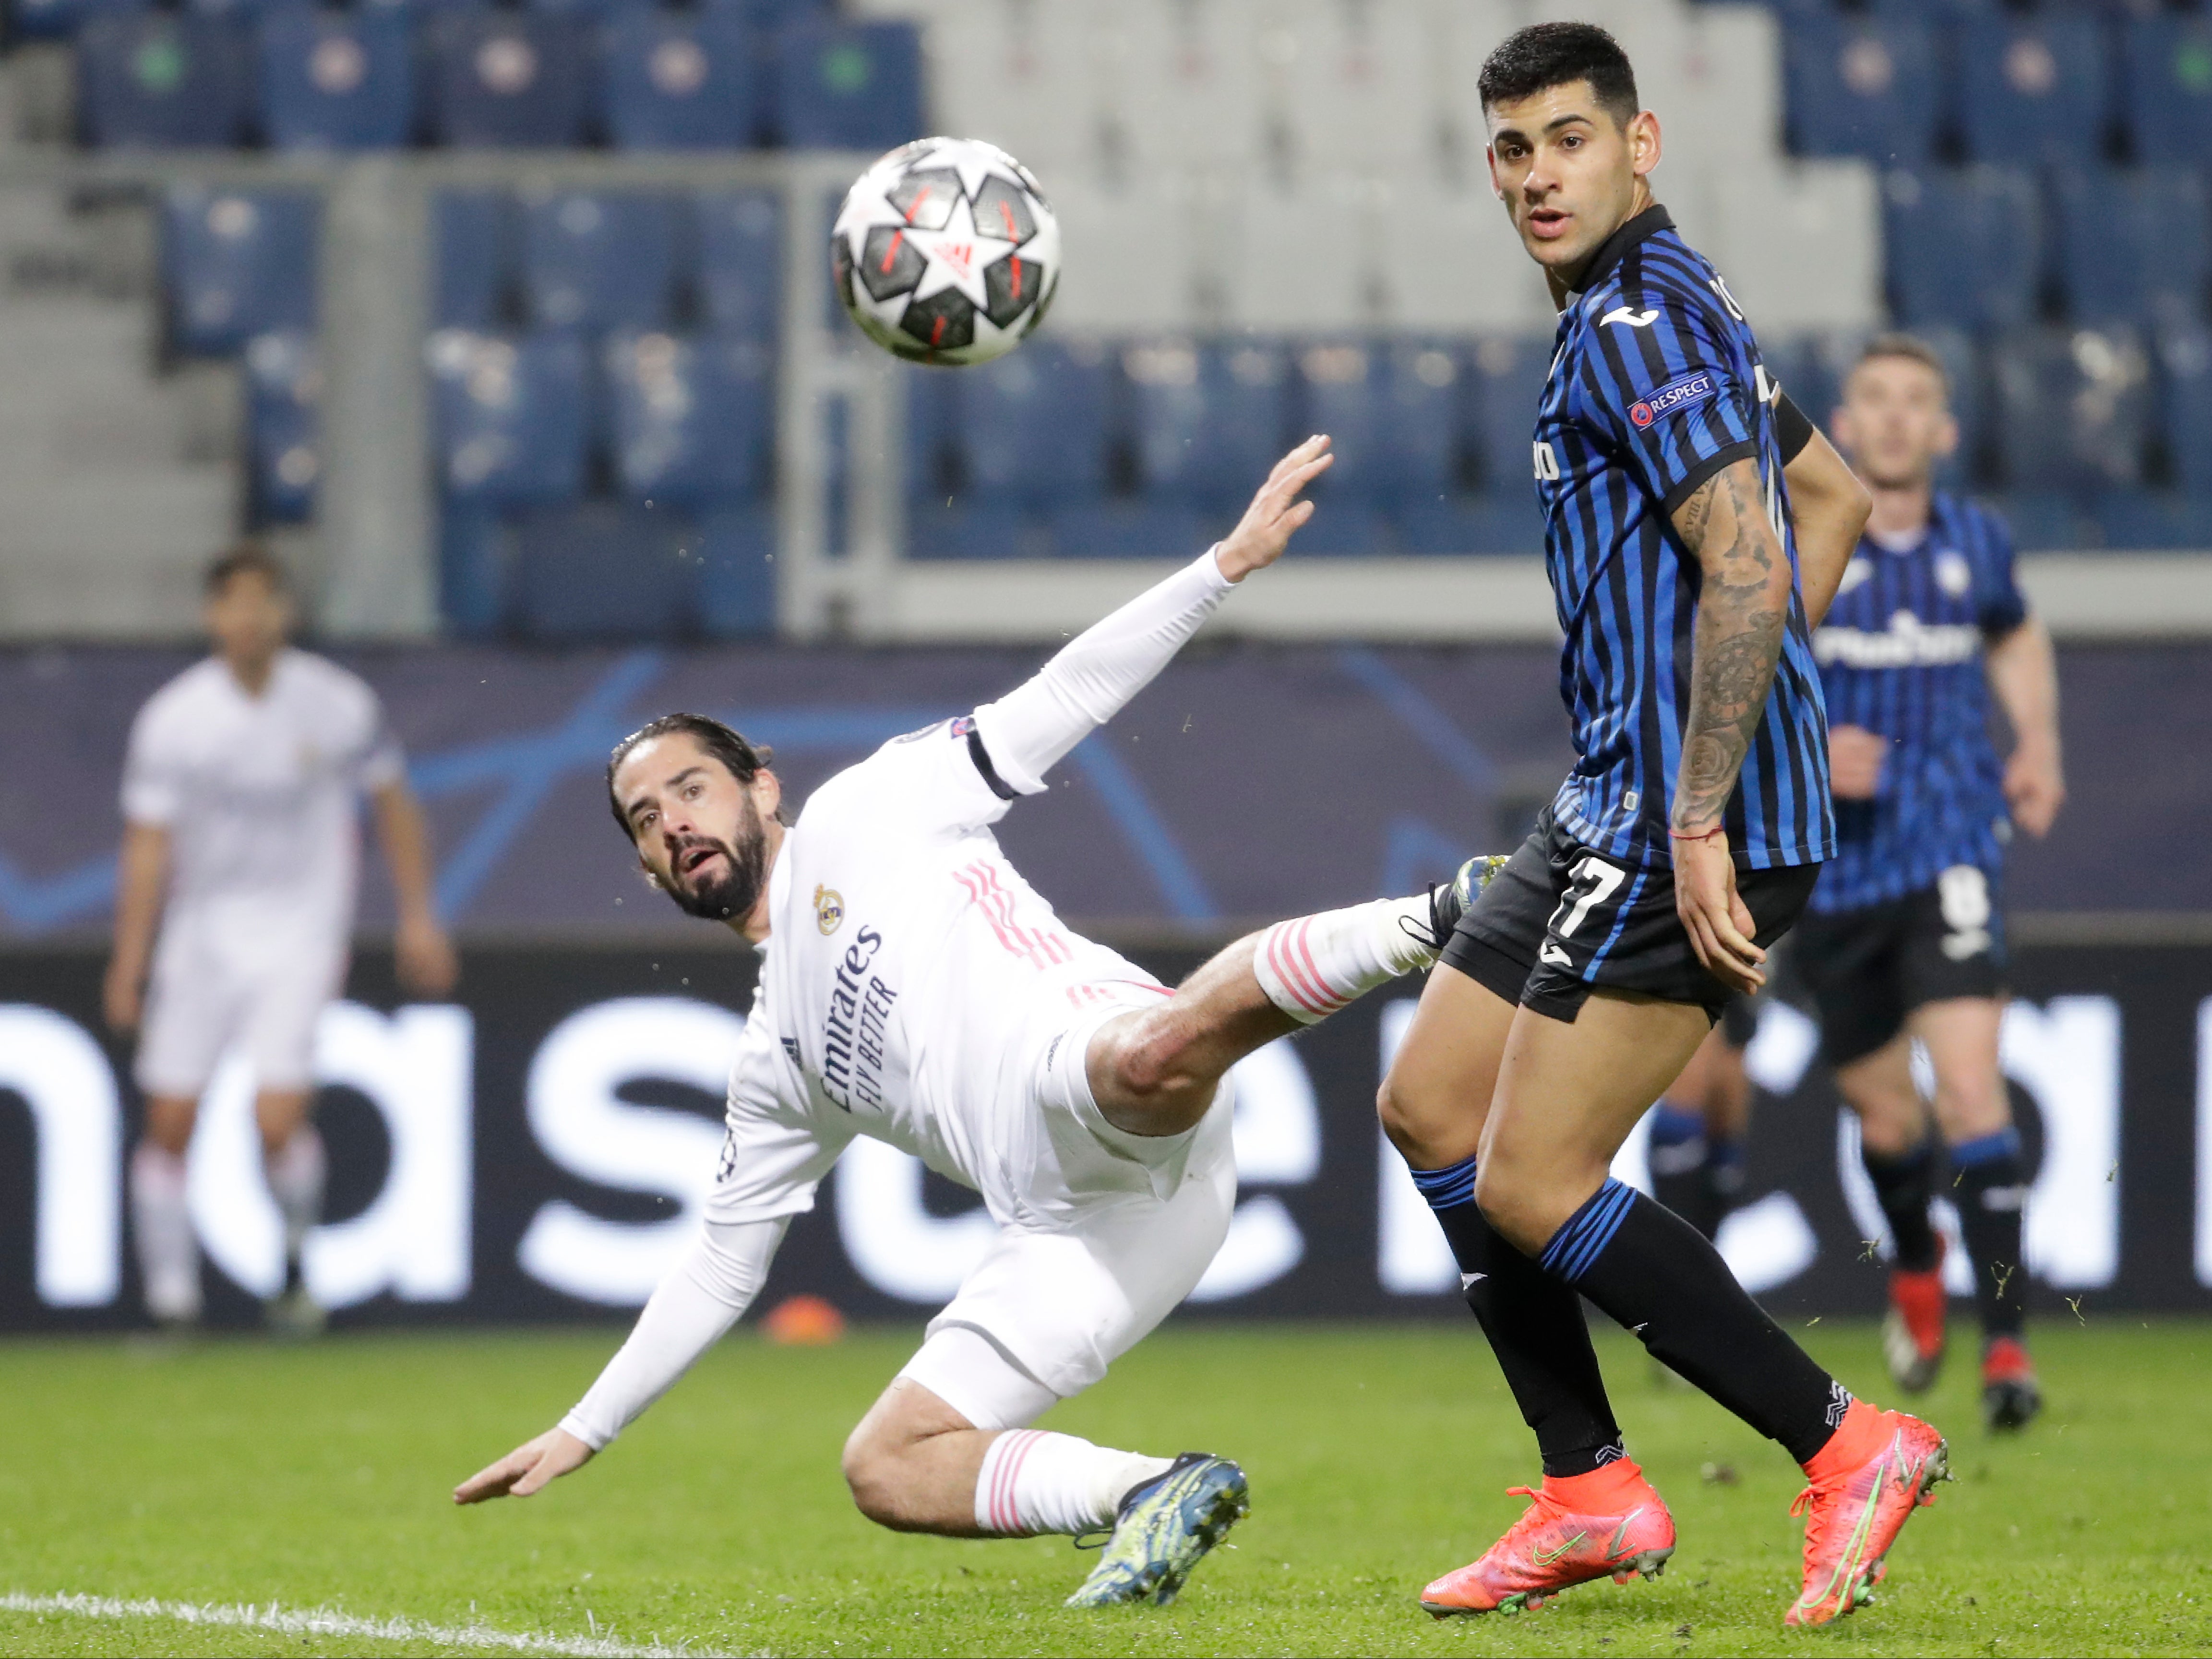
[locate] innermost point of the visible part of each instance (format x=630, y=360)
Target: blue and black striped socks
x=1535, y=1327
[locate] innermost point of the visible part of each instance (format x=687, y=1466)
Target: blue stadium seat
x=237, y=264
x=1862, y=88
x=848, y=86
x=1507, y=521
x=600, y=571
x=1208, y=420
x=2031, y=90
x=1336, y=393
x=600, y=260
x=154, y=80
x=1344, y=526
x=679, y=80
x=736, y=550
x=336, y=80
x=283, y=385
x=2132, y=247
x=1033, y=425
x=508, y=79
x=1508, y=372
x=937, y=529
x=1963, y=246
x=2074, y=407
x=2184, y=404
x=1392, y=415
x=474, y=235
x=2046, y=520
x=740, y=260
x=57, y=20
x=2166, y=78
x=1128, y=530
x=694, y=420
x=475, y=554
x=771, y=15
x=2154, y=521
x=513, y=417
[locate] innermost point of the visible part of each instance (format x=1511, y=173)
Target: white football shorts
x=203, y=1000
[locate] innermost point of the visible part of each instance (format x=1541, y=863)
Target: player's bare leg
x=168, y=1252
x=293, y=1160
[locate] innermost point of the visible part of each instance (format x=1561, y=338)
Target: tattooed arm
x=1742, y=613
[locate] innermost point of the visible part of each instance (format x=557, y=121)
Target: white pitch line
x=324, y=1621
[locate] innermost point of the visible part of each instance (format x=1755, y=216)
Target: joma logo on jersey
x=1676, y=394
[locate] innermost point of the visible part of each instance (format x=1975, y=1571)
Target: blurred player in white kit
x=913, y=989
x=242, y=793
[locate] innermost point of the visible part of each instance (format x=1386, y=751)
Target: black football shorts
x=1560, y=921
x=1868, y=968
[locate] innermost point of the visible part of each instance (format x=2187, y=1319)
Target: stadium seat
x=1033, y=425
x=937, y=529
x=770, y=15
x=2031, y=90
x=1863, y=88
x=154, y=79
x=694, y=420
x=735, y=547
x=336, y=80
x=1393, y=415
x=1208, y=420
x=740, y=260
x=57, y=20
x=508, y=79
x=1506, y=521
x=2131, y=245
x=283, y=385
x=1128, y=530
x=475, y=553
x=680, y=81
x=1508, y=374
x=601, y=572
x=512, y=415
x=237, y=264
x=2166, y=78
x=2153, y=520
x=600, y=260
x=2046, y=520
x=1346, y=527
x=1963, y=246
x=848, y=86
x=473, y=232
x=2184, y=402
x=2074, y=407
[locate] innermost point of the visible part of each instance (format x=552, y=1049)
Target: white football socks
x=1311, y=966
x=296, y=1172
x=168, y=1253
x=1035, y=1482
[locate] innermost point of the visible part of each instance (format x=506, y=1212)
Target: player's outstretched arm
x=1743, y=611
x=1828, y=510
x=1092, y=678
x=707, y=1294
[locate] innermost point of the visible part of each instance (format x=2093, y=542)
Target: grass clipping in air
x=316, y=1477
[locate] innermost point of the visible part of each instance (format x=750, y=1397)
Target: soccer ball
x=946, y=251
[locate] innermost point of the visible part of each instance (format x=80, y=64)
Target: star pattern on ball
x=957, y=256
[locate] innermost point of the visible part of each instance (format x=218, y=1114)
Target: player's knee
x=1148, y=1075
x=1518, y=1206
x=872, y=1474
x=1427, y=1137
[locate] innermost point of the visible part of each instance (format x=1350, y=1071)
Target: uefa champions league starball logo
x=946, y=251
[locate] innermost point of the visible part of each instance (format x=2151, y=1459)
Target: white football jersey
x=907, y=977
x=260, y=795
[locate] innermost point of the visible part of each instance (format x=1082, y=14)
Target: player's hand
x=1855, y=756
x=1718, y=921
x=121, y=996
x=2035, y=787
x=424, y=956
x=1265, y=530
x=526, y=1468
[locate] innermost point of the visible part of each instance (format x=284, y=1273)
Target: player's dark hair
x=1911, y=347
x=247, y=559
x=742, y=760
x=1546, y=55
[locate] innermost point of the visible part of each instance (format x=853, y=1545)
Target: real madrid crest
x=829, y=909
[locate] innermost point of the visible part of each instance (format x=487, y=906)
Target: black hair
x=740, y=759
x=247, y=559
x=1546, y=55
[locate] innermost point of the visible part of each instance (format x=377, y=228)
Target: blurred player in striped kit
x=240, y=794
x=1903, y=944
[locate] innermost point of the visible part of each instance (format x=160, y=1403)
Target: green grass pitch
x=232, y=1472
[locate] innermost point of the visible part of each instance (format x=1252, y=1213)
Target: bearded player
x=916, y=989
x=1679, y=492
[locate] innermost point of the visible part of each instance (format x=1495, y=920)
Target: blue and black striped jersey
x=1656, y=385
x=1901, y=654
